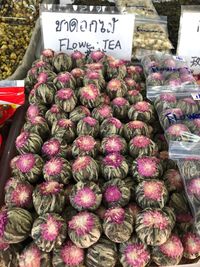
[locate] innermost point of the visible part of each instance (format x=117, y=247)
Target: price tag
x=189, y=37
x=111, y=33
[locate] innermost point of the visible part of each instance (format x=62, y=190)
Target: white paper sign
x=189, y=39
x=111, y=33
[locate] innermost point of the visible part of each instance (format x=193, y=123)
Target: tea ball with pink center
x=155, y=79
x=78, y=75
x=79, y=113
x=151, y=194
x=49, y=197
x=88, y=126
x=45, y=76
x=169, y=253
x=96, y=78
x=101, y=254
x=65, y=80
x=28, y=142
x=64, y=129
x=133, y=96
x=191, y=245
x=188, y=105
x=154, y=226
x=118, y=224
x=120, y=107
x=113, y=144
x=134, y=253
x=146, y=167
x=114, y=165
x=105, y=99
x=85, y=169
x=54, y=114
x=111, y=126
x=135, y=72
x=178, y=132
x=32, y=98
x=165, y=101
x=84, y=145
x=115, y=68
x=37, y=125
x=47, y=55
x=62, y=62
x=35, y=110
x=102, y=112
x=116, y=193
x=33, y=256
x=44, y=93
x=90, y=96
x=18, y=194
x=49, y=231
x=54, y=147
x=57, y=169
x=78, y=59
x=194, y=125
x=142, y=111
x=173, y=180
x=130, y=83
x=116, y=88
x=193, y=190
x=85, y=196
x=134, y=128
x=98, y=67
x=84, y=229
x=69, y=255
x=141, y=145
x=28, y=167
x=96, y=56
x=15, y=224
x=65, y=99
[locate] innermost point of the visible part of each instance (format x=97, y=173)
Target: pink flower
x=142, y=106
x=177, y=129
x=113, y=160
x=112, y=194
x=90, y=92
x=115, y=122
x=51, y=147
x=64, y=77
x=119, y=101
x=42, y=77
x=50, y=188
x=71, y=254
x=85, y=143
x=140, y=141
x=89, y=120
x=169, y=97
x=50, y=230
x=3, y=221
x=25, y=162
x=137, y=255
x=65, y=123
x=30, y=257
x=105, y=111
x=172, y=247
x=114, y=85
x=130, y=82
x=155, y=219
x=77, y=72
x=191, y=243
x=153, y=190
x=147, y=166
x=65, y=93
x=135, y=124
x=115, y=215
x=32, y=111
x=93, y=75
x=97, y=55
x=193, y=187
x=113, y=144
x=81, y=163
x=189, y=100
x=82, y=223
x=54, y=166
x=85, y=198
x=22, y=195
x=77, y=55
x=22, y=139
x=54, y=109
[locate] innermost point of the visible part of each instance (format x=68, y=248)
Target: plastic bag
x=165, y=72
x=11, y=97
x=187, y=156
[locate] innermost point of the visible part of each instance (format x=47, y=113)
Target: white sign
x=111, y=33
x=189, y=38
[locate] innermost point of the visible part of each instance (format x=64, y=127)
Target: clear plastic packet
x=187, y=156
x=151, y=34
x=166, y=72
x=11, y=97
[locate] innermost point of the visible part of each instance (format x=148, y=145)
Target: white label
x=196, y=96
x=111, y=33
x=189, y=39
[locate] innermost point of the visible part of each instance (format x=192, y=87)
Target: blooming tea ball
x=28, y=142
x=194, y=126
x=54, y=114
x=88, y=126
x=142, y=111
x=110, y=126
x=78, y=59
x=49, y=231
x=170, y=117
x=101, y=254
x=18, y=194
x=134, y=253
x=151, y=194
x=191, y=245
x=102, y=112
x=146, y=168
x=15, y=224
x=65, y=99
x=64, y=80
x=114, y=165
x=94, y=77
x=116, y=88
x=120, y=107
x=169, y=253
x=84, y=229
x=113, y=144
x=79, y=113
x=84, y=145
x=49, y=197
x=54, y=147
x=78, y=75
x=69, y=255
x=116, y=193
x=188, y=105
x=35, y=110
x=154, y=226
x=39, y=126
x=141, y=145
x=47, y=55
x=85, y=169
x=133, y=96
x=28, y=167
x=193, y=190
x=90, y=96
x=85, y=196
x=33, y=256
x=62, y=62
x=178, y=132
x=116, y=68
x=65, y=129
x=134, y=128
x=165, y=101
x=96, y=56
x=155, y=79
x=118, y=224
x=44, y=93
x=57, y=169
x=173, y=180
